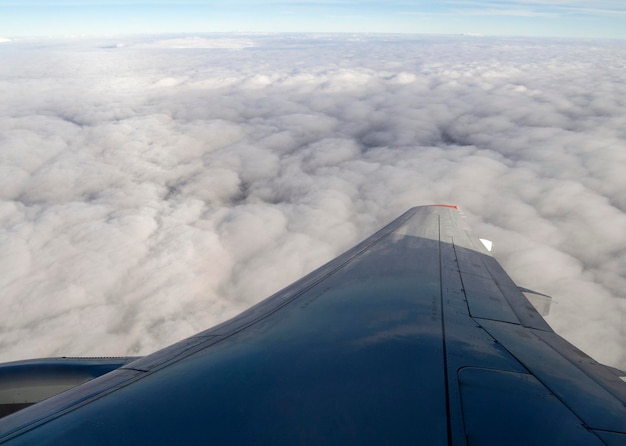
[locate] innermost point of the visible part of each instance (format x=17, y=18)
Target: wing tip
x=451, y=206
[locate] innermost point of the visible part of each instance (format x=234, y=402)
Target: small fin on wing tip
x=451, y=206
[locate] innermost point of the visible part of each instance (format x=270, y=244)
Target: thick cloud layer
x=151, y=187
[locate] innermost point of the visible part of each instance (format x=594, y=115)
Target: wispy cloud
x=598, y=11
x=536, y=7
x=504, y=11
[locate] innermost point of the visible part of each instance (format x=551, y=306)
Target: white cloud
x=149, y=191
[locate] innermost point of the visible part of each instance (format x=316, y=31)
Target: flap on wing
x=491, y=294
x=516, y=401
x=540, y=301
x=597, y=399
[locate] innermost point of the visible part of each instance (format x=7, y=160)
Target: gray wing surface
x=414, y=336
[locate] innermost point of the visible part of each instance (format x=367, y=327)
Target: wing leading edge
x=416, y=335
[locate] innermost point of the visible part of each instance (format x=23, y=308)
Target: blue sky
x=552, y=18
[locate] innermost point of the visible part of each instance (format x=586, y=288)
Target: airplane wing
x=414, y=336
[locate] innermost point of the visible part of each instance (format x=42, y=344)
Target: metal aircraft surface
x=414, y=336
